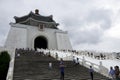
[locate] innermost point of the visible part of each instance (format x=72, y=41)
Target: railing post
x=83, y=61
x=11, y=66
x=100, y=67
x=92, y=64
x=103, y=70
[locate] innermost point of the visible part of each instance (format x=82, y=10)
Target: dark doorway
x=40, y=42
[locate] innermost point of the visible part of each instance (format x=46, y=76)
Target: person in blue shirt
x=91, y=72
x=61, y=70
x=112, y=73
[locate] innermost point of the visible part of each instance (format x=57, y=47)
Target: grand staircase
x=31, y=65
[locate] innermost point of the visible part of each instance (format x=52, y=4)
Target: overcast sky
x=91, y=24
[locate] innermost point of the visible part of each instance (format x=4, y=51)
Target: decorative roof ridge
x=50, y=16
x=35, y=16
x=38, y=21
x=16, y=17
x=32, y=13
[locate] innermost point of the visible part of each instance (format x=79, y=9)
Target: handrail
x=11, y=67
x=98, y=68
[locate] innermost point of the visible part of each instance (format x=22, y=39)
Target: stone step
x=31, y=66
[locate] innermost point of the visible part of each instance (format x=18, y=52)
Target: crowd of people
x=99, y=55
x=28, y=51
x=92, y=54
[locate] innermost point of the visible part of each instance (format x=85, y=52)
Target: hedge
x=4, y=64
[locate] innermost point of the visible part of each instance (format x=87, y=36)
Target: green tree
x=4, y=64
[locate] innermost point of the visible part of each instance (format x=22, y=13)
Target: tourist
x=91, y=72
x=77, y=61
x=112, y=73
x=49, y=54
x=117, y=73
x=18, y=55
x=91, y=54
x=88, y=54
x=73, y=59
x=61, y=69
x=56, y=56
x=50, y=65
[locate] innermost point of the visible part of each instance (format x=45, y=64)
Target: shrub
x=4, y=64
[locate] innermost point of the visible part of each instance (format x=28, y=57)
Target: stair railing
x=98, y=68
x=11, y=65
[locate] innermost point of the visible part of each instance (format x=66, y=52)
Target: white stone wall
x=16, y=37
x=23, y=36
x=33, y=32
x=63, y=40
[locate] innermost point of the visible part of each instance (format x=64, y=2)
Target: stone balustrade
x=98, y=68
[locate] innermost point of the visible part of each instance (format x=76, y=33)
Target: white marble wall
x=23, y=36
x=34, y=32
x=16, y=37
x=63, y=40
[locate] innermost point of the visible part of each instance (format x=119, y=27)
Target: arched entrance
x=40, y=42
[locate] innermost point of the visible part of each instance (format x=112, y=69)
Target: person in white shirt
x=50, y=65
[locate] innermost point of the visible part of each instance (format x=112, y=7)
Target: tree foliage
x=4, y=64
